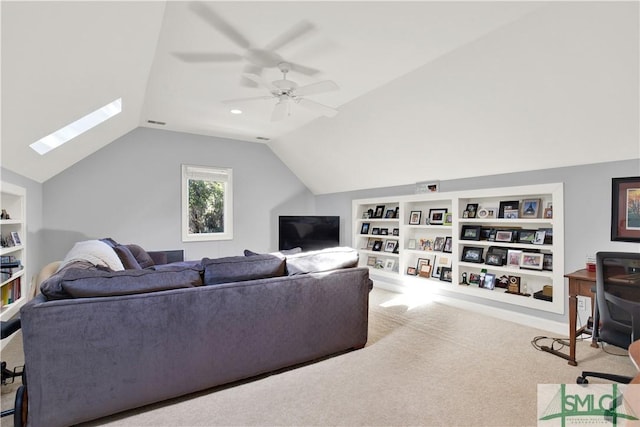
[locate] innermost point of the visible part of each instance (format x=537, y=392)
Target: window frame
x=187, y=172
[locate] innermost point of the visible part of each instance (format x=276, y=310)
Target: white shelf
x=13, y=200
x=455, y=203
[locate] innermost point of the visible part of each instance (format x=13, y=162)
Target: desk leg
x=573, y=316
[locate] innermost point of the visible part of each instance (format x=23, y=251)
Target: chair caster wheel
x=582, y=380
x=20, y=414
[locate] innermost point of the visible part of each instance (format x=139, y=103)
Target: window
x=207, y=203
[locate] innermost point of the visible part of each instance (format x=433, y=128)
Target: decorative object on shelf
x=625, y=209
x=500, y=251
x=379, y=211
x=377, y=245
x=436, y=216
x=379, y=264
x=415, y=217
x=494, y=259
x=513, y=257
x=390, y=264
x=445, y=274
x=547, y=262
x=508, y=209
x=548, y=211
x=425, y=270
x=548, y=235
x=489, y=281
x=375, y=231
x=448, y=218
x=426, y=244
x=470, y=232
x=504, y=236
x=438, y=244
x=371, y=261
x=390, y=245
x=397, y=212
x=526, y=236
x=514, y=285
x=464, y=279
x=472, y=254
x=396, y=232
x=539, y=237
x=4, y=214
x=411, y=244
x=474, y=279
x=384, y=231
x=531, y=260
x=502, y=282
x=370, y=213
x=391, y=213
x=411, y=271
x=471, y=210
x=365, y=228
x=15, y=237
x=448, y=244
x=365, y=215
x=370, y=243
x=427, y=187
x=531, y=208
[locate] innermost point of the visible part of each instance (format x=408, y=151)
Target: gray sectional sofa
x=99, y=342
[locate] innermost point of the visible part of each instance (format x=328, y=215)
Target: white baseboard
x=559, y=328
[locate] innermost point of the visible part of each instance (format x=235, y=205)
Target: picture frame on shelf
x=375, y=231
x=548, y=211
x=532, y=260
x=489, y=281
x=448, y=245
x=526, y=236
x=370, y=243
x=513, y=257
x=446, y=274
x=472, y=254
x=504, y=236
x=397, y=212
x=438, y=244
x=547, y=262
x=396, y=232
x=471, y=210
x=411, y=271
x=390, y=245
x=548, y=235
x=470, y=232
x=389, y=264
x=421, y=262
x=384, y=231
x=411, y=244
x=511, y=213
x=379, y=264
x=15, y=237
x=365, y=215
x=625, y=209
x=425, y=270
x=501, y=251
x=364, y=229
x=448, y=218
x=426, y=244
x=415, y=217
x=539, y=237
x=391, y=213
x=510, y=206
x=530, y=208
x=379, y=211
x=377, y=246
x=371, y=261
x=494, y=258
x=436, y=216
x=485, y=233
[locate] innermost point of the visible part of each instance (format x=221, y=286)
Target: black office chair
x=617, y=305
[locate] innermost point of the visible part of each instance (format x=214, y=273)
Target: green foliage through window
x=206, y=206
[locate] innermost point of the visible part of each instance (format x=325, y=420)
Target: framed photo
x=539, y=237
x=499, y=250
x=370, y=243
x=489, y=281
x=526, y=236
x=513, y=257
x=547, y=262
x=436, y=216
x=379, y=211
x=472, y=210
x=548, y=211
x=446, y=274
x=438, y=244
x=379, y=264
x=427, y=187
x=390, y=245
x=415, y=217
x=377, y=246
x=472, y=254
x=411, y=244
x=365, y=228
x=511, y=213
x=470, y=232
x=365, y=215
x=391, y=213
x=15, y=237
x=426, y=244
x=494, y=258
x=390, y=264
x=421, y=262
x=411, y=271
x=448, y=244
x=474, y=279
x=371, y=261
x=504, y=236
x=510, y=206
x=531, y=208
x=396, y=232
x=625, y=209
x=425, y=270
x=375, y=231
x=384, y=231
x=531, y=260
x=448, y=218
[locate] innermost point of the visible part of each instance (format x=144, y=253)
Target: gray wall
x=130, y=191
x=587, y=207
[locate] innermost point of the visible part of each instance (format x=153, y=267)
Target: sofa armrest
x=166, y=257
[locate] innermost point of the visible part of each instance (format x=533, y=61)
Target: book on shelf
x=11, y=291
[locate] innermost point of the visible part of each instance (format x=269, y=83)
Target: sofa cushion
x=242, y=268
x=83, y=284
x=128, y=260
x=143, y=258
x=281, y=253
x=51, y=287
x=322, y=260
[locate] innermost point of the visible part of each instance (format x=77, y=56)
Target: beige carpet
x=428, y=365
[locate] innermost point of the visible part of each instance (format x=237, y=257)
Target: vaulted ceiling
x=427, y=90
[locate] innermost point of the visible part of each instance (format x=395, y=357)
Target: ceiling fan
x=288, y=93
x=257, y=58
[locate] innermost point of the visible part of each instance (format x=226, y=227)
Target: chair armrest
x=631, y=307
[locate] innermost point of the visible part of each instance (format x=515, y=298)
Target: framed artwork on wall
x=625, y=209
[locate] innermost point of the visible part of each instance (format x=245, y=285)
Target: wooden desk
x=632, y=395
x=580, y=283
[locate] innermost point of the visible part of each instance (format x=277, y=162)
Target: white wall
x=130, y=191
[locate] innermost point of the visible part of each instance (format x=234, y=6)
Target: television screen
x=308, y=232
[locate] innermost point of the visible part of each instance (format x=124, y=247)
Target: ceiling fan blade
x=250, y=69
x=260, y=81
x=303, y=69
x=216, y=21
x=207, y=57
x=319, y=87
x=253, y=98
x=317, y=107
x=281, y=110
x=290, y=35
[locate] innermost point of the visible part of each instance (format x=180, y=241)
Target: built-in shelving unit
x=14, y=283
x=504, y=244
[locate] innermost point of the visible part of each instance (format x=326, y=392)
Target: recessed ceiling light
x=76, y=128
x=235, y=111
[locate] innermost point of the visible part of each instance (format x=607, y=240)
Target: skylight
x=76, y=128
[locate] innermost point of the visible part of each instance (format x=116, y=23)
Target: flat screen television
x=308, y=232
